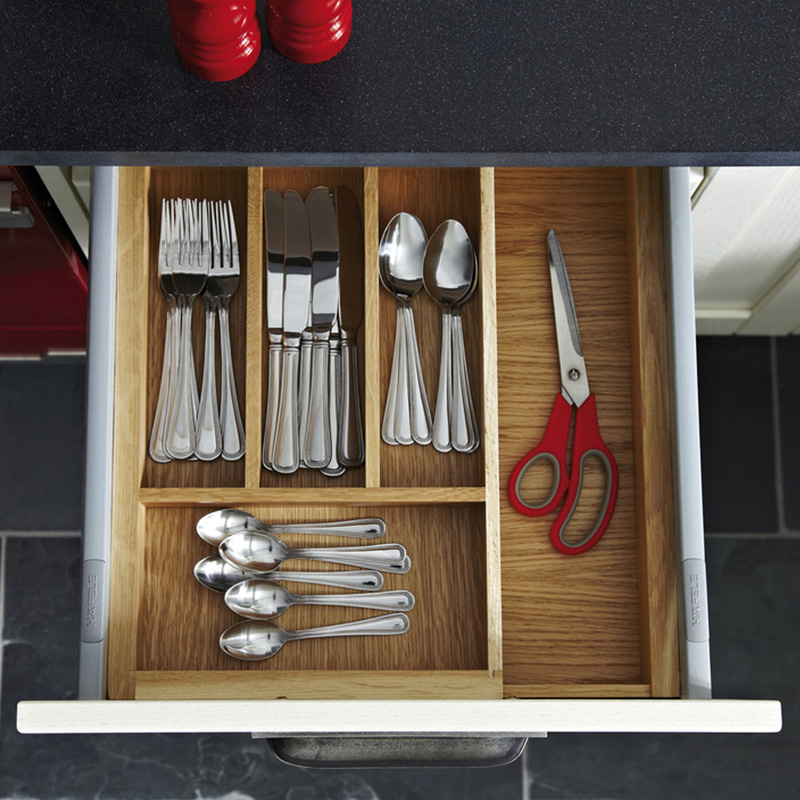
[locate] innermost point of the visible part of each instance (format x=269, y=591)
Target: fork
x=189, y=275
x=167, y=287
x=226, y=283
x=209, y=438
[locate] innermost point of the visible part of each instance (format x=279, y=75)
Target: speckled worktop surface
x=421, y=81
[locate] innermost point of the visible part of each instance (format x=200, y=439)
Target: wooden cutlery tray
x=499, y=612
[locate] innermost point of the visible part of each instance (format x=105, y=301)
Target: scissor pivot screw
x=574, y=374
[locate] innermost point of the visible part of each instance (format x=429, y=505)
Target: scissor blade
x=574, y=383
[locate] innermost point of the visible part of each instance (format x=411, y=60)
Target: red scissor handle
x=553, y=448
x=587, y=443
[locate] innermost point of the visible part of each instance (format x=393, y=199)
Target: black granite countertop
x=421, y=81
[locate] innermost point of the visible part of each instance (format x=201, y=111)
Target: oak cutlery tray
x=499, y=612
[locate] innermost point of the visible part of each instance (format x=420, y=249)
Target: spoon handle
x=387, y=430
x=403, y=423
x=273, y=396
x=385, y=557
x=380, y=601
x=421, y=423
x=364, y=580
x=351, y=431
x=441, y=419
x=366, y=528
x=466, y=436
x=285, y=454
x=384, y=625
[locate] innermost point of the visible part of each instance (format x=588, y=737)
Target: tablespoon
x=214, y=527
x=256, y=640
x=218, y=575
x=407, y=416
x=263, y=552
x=450, y=275
x=265, y=599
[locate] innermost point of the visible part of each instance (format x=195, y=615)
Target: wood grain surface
x=494, y=599
x=433, y=195
x=570, y=619
x=180, y=621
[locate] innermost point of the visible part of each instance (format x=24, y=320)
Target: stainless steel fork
x=189, y=275
x=166, y=254
x=225, y=284
x=209, y=438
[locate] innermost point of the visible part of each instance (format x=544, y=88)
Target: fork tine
x=226, y=242
x=234, y=240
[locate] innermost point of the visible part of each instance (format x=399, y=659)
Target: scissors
x=587, y=441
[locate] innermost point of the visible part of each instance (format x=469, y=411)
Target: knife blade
x=273, y=222
x=317, y=447
x=351, y=313
x=296, y=293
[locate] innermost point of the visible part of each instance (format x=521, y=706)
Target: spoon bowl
x=450, y=265
x=401, y=254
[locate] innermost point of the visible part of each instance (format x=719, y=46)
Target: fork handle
x=285, y=457
x=209, y=441
x=181, y=439
x=231, y=426
x=157, y=452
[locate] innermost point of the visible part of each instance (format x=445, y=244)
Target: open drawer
x=508, y=636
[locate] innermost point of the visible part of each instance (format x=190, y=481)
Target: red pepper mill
x=309, y=31
x=218, y=40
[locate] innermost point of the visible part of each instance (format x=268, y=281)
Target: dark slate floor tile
x=40, y=663
x=755, y=652
x=736, y=433
x=789, y=408
x=42, y=434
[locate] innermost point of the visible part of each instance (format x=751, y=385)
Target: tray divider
x=253, y=267
x=490, y=432
x=651, y=405
x=130, y=425
x=371, y=349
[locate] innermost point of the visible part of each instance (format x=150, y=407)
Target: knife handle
x=335, y=467
x=273, y=398
x=351, y=432
x=304, y=390
x=317, y=450
x=285, y=456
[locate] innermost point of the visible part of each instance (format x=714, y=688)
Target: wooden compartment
x=499, y=612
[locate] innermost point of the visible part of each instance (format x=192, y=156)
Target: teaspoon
x=214, y=527
x=407, y=416
x=265, y=599
x=218, y=575
x=263, y=552
x=256, y=640
x=450, y=274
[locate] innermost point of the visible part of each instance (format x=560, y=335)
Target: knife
x=351, y=314
x=296, y=292
x=324, y=307
x=273, y=218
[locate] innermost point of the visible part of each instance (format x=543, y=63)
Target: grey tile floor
x=750, y=435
